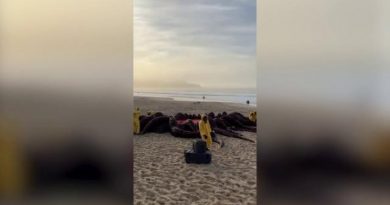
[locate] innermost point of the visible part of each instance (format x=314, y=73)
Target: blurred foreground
x=58, y=148
x=65, y=102
x=324, y=105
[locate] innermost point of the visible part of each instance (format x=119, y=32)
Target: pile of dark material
x=186, y=125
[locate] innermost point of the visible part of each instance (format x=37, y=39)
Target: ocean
x=196, y=96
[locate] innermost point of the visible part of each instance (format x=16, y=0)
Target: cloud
x=165, y=84
x=196, y=38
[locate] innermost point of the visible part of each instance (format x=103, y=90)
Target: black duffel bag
x=197, y=158
x=199, y=146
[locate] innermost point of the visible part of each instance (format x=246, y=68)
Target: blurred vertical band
x=259, y=144
x=323, y=87
x=66, y=102
x=131, y=158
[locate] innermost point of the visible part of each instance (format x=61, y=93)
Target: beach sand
x=162, y=177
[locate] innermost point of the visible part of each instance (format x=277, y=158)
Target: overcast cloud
x=209, y=43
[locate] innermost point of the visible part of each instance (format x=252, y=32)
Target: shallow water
x=230, y=97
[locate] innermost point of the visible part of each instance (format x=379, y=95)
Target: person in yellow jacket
x=136, y=121
x=252, y=116
x=13, y=175
x=205, y=130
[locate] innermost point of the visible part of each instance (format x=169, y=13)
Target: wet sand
x=162, y=177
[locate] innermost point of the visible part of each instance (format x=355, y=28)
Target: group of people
x=205, y=129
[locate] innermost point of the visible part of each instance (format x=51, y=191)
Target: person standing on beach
x=252, y=116
x=136, y=122
x=205, y=130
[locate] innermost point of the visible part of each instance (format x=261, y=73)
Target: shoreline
x=241, y=106
x=197, y=97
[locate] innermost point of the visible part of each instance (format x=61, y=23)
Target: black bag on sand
x=199, y=146
x=197, y=158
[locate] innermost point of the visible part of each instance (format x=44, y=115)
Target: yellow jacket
x=252, y=116
x=136, y=121
x=204, y=128
x=13, y=178
x=136, y=115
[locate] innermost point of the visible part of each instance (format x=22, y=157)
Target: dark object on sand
x=248, y=102
x=197, y=158
x=199, y=146
x=158, y=124
x=199, y=154
x=185, y=125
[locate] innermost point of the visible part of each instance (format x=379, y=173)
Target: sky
x=72, y=45
x=325, y=52
x=195, y=44
x=308, y=48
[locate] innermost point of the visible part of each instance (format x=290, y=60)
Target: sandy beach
x=162, y=177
